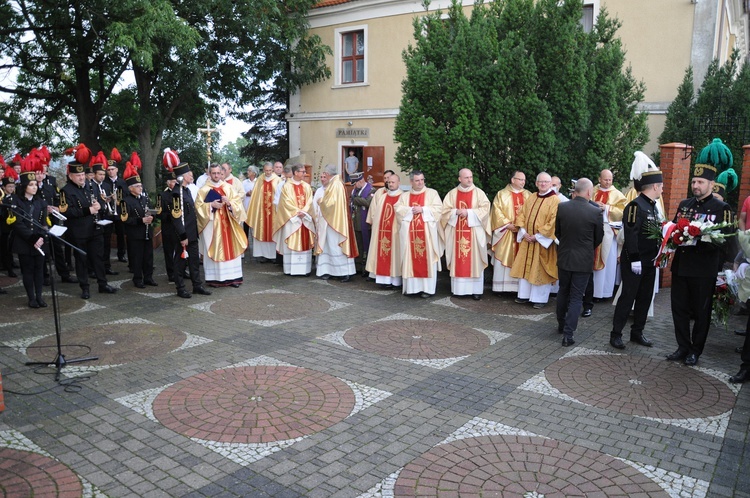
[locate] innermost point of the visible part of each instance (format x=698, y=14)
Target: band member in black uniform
x=28, y=239
x=79, y=203
x=169, y=239
x=637, y=260
x=139, y=233
x=6, y=221
x=186, y=225
x=107, y=200
x=119, y=189
x=47, y=191
x=694, y=268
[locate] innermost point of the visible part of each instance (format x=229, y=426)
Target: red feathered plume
x=135, y=161
x=31, y=163
x=100, y=158
x=45, y=155
x=11, y=173
x=81, y=153
x=170, y=160
x=16, y=159
x=2, y=162
x=115, y=155
x=130, y=171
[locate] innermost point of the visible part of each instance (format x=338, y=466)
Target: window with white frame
x=351, y=55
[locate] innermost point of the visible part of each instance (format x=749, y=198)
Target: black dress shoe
x=642, y=340
x=568, y=341
x=139, y=285
x=677, y=356
x=425, y=295
x=33, y=303
x=85, y=294
x=107, y=289
x=122, y=259
x=691, y=360
x=235, y=286
x=740, y=332
x=151, y=283
x=616, y=342
x=69, y=280
x=476, y=297
x=41, y=303
x=184, y=294
x=538, y=306
x=518, y=300
x=742, y=376
x=202, y=291
x=586, y=313
x=324, y=277
x=347, y=278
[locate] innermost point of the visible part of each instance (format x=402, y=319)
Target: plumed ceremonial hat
x=712, y=160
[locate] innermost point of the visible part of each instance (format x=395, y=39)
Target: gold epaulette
x=158, y=204
x=63, y=202
x=176, y=208
x=728, y=217
x=632, y=215
x=123, y=211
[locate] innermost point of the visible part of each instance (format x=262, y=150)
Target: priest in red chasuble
x=506, y=206
x=418, y=214
x=222, y=240
x=384, y=254
x=294, y=226
x=465, y=222
x=336, y=246
x=260, y=215
x=536, y=262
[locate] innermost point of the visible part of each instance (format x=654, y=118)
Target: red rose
x=677, y=238
x=682, y=223
x=694, y=231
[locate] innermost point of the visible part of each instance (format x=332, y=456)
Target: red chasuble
x=417, y=238
x=385, y=236
x=301, y=200
x=601, y=196
x=268, y=193
x=462, y=249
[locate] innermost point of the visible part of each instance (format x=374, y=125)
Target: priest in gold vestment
x=222, y=240
x=418, y=214
x=612, y=203
x=505, y=207
x=336, y=246
x=465, y=222
x=384, y=254
x=260, y=214
x=294, y=225
x=536, y=262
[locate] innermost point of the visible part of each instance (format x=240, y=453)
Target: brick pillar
x=744, y=178
x=675, y=168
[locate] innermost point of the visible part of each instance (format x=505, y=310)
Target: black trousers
x=93, y=259
x=746, y=345
x=58, y=250
x=570, y=299
x=107, y=230
x=141, y=259
x=638, y=289
x=588, y=296
x=169, y=241
x=692, y=298
x=120, y=231
x=192, y=261
x=32, y=269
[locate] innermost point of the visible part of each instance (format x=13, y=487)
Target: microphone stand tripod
x=59, y=362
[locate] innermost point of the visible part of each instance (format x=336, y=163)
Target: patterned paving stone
x=520, y=466
x=416, y=339
x=6, y=281
x=640, y=386
x=494, y=305
x=269, y=307
x=254, y=404
x=16, y=308
x=116, y=343
x=24, y=473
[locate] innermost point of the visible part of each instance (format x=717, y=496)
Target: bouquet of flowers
x=686, y=233
x=725, y=296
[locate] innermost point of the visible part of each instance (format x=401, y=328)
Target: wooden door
x=373, y=164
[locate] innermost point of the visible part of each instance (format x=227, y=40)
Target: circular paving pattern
x=499, y=305
x=416, y=339
x=640, y=386
x=254, y=404
x=519, y=466
x=23, y=473
x=17, y=308
x=6, y=281
x=270, y=306
x=113, y=343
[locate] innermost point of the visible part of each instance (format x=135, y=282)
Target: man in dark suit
x=579, y=229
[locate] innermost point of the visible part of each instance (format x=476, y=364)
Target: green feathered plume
x=729, y=179
x=716, y=154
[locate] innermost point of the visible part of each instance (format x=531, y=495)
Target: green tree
x=518, y=85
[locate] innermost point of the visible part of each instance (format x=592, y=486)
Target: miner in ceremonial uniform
x=505, y=207
x=137, y=218
x=6, y=220
x=536, y=262
x=183, y=218
x=637, y=266
x=336, y=247
x=294, y=230
x=418, y=214
x=169, y=238
x=107, y=200
x=119, y=188
x=694, y=267
x=384, y=254
x=465, y=222
x=611, y=202
x=222, y=240
x=260, y=214
x=79, y=203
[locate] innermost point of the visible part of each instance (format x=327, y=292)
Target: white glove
x=636, y=267
x=741, y=270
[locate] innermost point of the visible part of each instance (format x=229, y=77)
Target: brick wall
x=675, y=167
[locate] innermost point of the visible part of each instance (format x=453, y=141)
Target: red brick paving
x=23, y=473
x=270, y=306
x=114, y=343
x=416, y=339
x=254, y=404
x=640, y=386
x=515, y=465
